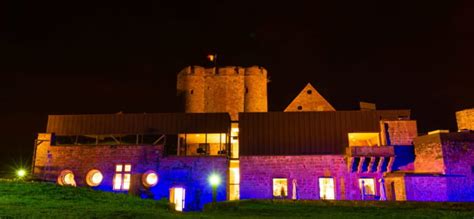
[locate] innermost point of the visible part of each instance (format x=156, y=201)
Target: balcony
x=370, y=159
x=370, y=151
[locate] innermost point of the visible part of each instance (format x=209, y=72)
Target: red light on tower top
x=211, y=57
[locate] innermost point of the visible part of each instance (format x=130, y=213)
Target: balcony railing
x=370, y=151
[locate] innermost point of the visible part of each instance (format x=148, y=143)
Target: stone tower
x=465, y=119
x=228, y=89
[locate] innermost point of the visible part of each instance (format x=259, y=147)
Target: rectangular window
x=364, y=139
x=369, y=186
x=326, y=188
x=234, y=140
x=122, y=177
x=234, y=180
x=280, y=187
x=195, y=144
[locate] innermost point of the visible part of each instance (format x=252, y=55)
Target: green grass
x=341, y=209
x=35, y=199
x=46, y=200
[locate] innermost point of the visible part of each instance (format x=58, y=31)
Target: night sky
x=73, y=57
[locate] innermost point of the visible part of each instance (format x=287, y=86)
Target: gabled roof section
x=309, y=99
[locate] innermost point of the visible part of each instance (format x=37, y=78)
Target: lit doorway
x=177, y=196
x=326, y=188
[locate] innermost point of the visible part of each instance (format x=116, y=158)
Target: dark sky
x=70, y=57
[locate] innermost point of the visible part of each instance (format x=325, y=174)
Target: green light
x=21, y=173
x=214, y=180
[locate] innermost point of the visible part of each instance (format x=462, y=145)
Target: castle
x=309, y=151
x=229, y=89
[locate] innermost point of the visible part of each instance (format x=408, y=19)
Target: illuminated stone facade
x=50, y=160
x=190, y=173
x=257, y=173
x=401, y=132
x=465, y=119
x=380, y=148
x=309, y=99
x=227, y=89
x=444, y=169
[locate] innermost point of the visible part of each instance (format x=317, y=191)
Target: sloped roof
x=138, y=123
x=306, y=133
x=309, y=99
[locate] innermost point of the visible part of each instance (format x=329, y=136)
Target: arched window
x=94, y=177
x=150, y=178
x=66, y=178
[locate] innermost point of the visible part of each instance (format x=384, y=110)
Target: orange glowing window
x=364, y=139
x=367, y=186
x=280, y=187
x=122, y=177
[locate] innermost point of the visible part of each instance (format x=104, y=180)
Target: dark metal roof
x=163, y=123
x=299, y=133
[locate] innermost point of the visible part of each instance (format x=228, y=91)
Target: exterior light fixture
x=150, y=179
x=214, y=180
x=94, y=177
x=21, y=173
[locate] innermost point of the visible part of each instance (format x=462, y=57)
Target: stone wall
x=465, y=119
x=429, y=154
x=309, y=99
x=257, y=173
x=452, y=156
x=395, y=187
x=400, y=132
x=426, y=188
x=192, y=174
x=458, y=151
x=51, y=160
x=229, y=89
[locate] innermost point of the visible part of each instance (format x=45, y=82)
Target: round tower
x=255, y=91
x=190, y=84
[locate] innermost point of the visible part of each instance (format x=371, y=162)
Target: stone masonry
x=190, y=172
x=257, y=173
x=50, y=160
x=228, y=89
x=400, y=132
x=465, y=119
x=309, y=99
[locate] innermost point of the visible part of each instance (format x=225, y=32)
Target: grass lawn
x=34, y=199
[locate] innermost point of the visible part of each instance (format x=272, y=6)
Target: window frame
x=273, y=187
x=333, y=185
x=365, y=183
x=123, y=176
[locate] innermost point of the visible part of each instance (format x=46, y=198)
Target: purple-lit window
x=122, y=177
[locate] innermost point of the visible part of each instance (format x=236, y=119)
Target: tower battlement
x=227, y=70
x=231, y=89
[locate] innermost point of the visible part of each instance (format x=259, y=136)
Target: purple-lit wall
x=51, y=160
x=426, y=188
x=444, y=168
x=191, y=173
x=257, y=173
